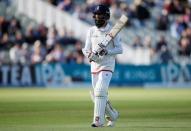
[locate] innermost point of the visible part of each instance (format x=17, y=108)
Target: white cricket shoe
x=112, y=121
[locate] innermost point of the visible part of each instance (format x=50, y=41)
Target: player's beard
x=100, y=23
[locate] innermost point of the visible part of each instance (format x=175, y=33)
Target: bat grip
x=101, y=45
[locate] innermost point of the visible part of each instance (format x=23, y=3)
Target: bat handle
x=101, y=45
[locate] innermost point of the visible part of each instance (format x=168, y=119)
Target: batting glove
x=102, y=50
x=93, y=56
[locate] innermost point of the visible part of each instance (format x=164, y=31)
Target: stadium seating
x=128, y=34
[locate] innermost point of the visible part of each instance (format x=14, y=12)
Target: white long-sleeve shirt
x=94, y=37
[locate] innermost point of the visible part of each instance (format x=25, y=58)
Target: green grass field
x=71, y=109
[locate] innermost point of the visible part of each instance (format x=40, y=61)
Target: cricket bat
x=113, y=32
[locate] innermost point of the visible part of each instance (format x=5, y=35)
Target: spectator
x=184, y=47
x=25, y=54
x=79, y=54
x=115, y=11
x=80, y=12
x=5, y=42
x=53, y=2
x=141, y=12
x=175, y=7
x=182, y=25
x=165, y=55
x=38, y=53
x=71, y=58
x=163, y=21
x=66, y=5
x=52, y=36
x=4, y=25
x=78, y=47
x=188, y=33
x=161, y=43
x=79, y=59
x=29, y=35
x=15, y=54
x=106, y=2
x=57, y=54
x=14, y=26
x=147, y=43
x=162, y=50
x=19, y=37
x=137, y=42
x=187, y=15
x=42, y=31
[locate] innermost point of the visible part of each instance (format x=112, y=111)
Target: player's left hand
x=103, y=52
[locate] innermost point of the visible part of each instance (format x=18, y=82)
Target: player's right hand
x=93, y=56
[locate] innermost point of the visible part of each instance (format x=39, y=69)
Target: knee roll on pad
x=100, y=93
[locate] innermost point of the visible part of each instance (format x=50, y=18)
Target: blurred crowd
x=173, y=16
x=37, y=44
x=42, y=44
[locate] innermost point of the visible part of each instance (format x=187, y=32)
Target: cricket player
x=102, y=66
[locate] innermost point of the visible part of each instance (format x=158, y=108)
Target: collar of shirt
x=106, y=28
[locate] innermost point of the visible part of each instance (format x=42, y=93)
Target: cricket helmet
x=102, y=10
x=101, y=14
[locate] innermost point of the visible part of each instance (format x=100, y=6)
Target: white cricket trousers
x=100, y=83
